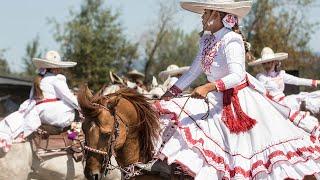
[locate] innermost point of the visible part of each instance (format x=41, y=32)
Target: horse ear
x=154, y=82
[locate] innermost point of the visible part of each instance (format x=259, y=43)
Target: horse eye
x=104, y=135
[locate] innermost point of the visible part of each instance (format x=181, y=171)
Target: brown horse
x=122, y=124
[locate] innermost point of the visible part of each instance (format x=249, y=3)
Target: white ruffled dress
x=238, y=133
x=274, y=82
x=57, y=108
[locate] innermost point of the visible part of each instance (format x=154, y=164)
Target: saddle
x=49, y=140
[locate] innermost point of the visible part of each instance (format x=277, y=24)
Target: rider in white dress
x=51, y=102
x=274, y=81
x=237, y=133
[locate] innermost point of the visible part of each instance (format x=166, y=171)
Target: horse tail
x=85, y=99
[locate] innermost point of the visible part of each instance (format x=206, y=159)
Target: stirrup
x=156, y=166
x=147, y=166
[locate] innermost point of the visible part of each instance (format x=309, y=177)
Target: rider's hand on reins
x=201, y=92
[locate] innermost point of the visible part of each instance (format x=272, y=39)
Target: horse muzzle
x=92, y=175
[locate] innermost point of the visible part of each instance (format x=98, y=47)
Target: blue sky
x=23, y=20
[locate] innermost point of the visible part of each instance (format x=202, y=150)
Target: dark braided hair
x=235, y=29
x=37, y=92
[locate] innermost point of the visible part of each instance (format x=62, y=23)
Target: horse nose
x=92, y=175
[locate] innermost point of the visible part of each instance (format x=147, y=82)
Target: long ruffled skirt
x=204, y=146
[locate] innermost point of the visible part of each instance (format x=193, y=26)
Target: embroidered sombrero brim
x=276, y=57
x=163, y=75
x=240, y=9
x=44, y=63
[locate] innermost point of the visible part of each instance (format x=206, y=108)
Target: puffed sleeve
x=235, y=59
x=267, y=83
x=63, y=92
x=187, y=78
x=290, y=79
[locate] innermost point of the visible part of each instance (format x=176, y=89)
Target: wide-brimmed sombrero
x=135, y=74
x=267, y=55
x=239, y=8
x=172, y=70
x=52, y=60
x=115, y=79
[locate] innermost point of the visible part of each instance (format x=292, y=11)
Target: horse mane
x=85, y=99
x=149, y=128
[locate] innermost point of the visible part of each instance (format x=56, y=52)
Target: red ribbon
x=47, y=100
x=239, y=121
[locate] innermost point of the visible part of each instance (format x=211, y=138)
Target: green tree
x=94, y=38
x=4, y=67
x=177, y=48
x=167, y=44
x=32, y=50
x=157, y=34
x=283, y=26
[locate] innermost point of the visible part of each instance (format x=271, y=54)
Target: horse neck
x=129, y=153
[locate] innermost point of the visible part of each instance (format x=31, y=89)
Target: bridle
x=130, y=171
x=134, y=169
x=106, y=164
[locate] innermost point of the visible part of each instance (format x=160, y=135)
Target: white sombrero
x=135, y=74
x=240, y=8
x=172, y=70
x=115, y=79
x=267, y=55
x=52, y=60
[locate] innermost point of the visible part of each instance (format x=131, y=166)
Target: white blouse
x=55, y=86
x=59, y=113
x=275, y=82
x=221, y=57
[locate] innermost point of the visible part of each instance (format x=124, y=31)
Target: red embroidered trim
x=294, y=116
x=302, y=117
x=209, y=52
x=269, y=95
x=173, y=116
x=282, y=98
x=239, y=170
x=220, y=85
x=192, y=174
x=177, y=123
x=175, y=90
x=47, y=101
x=314, y=83
x=240, y=121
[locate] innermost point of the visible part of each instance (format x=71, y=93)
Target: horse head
x=122, y=124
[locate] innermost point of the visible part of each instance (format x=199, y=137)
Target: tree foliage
x=32, y=50
x=157, y=34
x=4, y=67
x=283, y=26
x=94, y=39
x=177, y=48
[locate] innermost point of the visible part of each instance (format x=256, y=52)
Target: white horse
x=21, y=164
x=157, y=90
